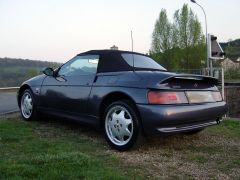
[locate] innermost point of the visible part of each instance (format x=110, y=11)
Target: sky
x=57, y=30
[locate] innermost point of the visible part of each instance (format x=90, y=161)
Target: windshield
x=142, y=62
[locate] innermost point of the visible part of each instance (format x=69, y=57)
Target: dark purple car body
x=126, y=93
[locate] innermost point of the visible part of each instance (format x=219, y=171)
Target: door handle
x=61, y=79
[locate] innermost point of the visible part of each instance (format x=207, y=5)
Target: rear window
x=142, y=62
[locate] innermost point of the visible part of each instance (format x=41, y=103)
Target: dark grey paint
x=80, y=97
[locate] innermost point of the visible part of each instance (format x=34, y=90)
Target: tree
x=180, y=44
x=189, y=35
x=32, y=72
x=162, y=31
x=161, y=39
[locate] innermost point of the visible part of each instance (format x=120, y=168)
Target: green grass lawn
x=60, y=150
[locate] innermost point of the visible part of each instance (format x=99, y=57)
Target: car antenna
x=132, y=50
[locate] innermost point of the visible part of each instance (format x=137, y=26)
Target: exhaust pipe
x=218, y=120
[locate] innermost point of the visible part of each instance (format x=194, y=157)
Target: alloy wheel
x=26, y=105
x=119, y=125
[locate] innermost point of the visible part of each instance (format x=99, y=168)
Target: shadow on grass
x=58, y=127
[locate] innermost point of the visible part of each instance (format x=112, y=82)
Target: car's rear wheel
x=27, y=106
x=122, y=126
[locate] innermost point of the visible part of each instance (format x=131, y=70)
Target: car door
x=69, y=89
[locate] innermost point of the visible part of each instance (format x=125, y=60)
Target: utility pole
x=206, y=35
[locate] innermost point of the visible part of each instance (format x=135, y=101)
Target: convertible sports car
x=128, y=94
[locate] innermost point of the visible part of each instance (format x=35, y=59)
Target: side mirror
x=48, y=71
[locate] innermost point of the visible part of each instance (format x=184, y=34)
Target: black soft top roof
x=108, y=51
x=111, y=60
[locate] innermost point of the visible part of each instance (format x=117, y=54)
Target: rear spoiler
x=191, y=77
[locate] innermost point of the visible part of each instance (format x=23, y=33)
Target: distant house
x=114, y=47
x=229, y=64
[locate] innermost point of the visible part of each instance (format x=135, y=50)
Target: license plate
x=199, y=96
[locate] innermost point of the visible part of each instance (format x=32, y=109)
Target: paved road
x=8, y=102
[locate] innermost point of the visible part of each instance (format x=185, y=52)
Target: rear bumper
x=188, y=127
x=163, y=119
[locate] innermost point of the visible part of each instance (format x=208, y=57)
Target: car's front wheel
x=27, y=106
x=122, y=125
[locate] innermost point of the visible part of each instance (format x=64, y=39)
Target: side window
x=80, y=65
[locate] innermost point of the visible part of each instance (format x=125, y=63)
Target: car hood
x=35, y=81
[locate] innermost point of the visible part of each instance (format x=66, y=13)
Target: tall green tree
x=179, y=44
x=162, y=31
x=190, y=38
x=161, y=39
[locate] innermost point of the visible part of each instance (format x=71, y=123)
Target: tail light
x=171, y=97
x=156, y=97
x=217, y=96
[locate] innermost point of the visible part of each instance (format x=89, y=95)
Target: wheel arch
x=20, y=91
x=113, y=97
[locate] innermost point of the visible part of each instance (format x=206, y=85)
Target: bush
x=232, y=73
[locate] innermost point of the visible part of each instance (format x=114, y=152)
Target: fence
x=232, y=97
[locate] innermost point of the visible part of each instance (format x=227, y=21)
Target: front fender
x=34, y=84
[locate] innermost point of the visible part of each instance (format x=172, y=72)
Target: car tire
x=27, y=106
x=122, y=127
